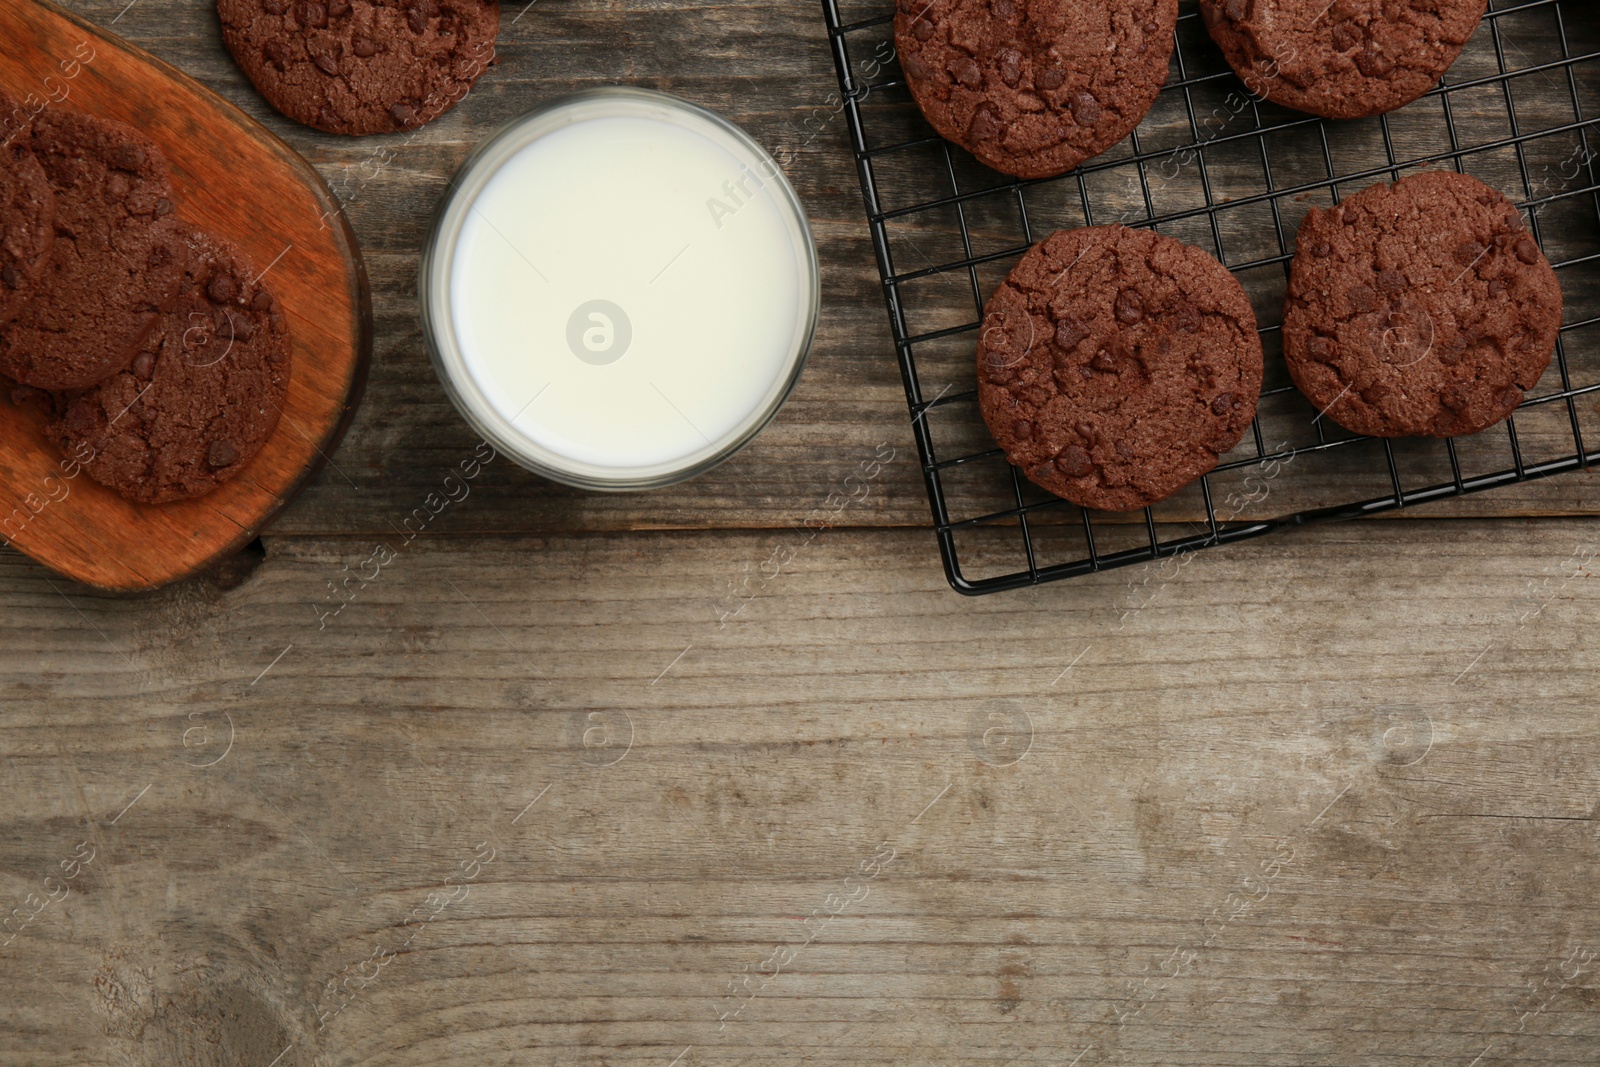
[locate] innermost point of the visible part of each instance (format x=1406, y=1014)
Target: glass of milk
x=620, y=289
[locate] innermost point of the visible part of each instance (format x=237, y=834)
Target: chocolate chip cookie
x=1115, y=365
x=1420, y=308
x=27, y=220
x=1033, y=88
x=1342, y=60
x=200, y=399
x=116, y=260
x=361, y=66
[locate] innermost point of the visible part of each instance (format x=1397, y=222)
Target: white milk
x=621, y=289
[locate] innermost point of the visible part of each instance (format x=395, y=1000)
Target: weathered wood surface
x=1327, y=799
x=776, y=795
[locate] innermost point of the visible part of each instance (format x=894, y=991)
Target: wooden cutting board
x=233, y=177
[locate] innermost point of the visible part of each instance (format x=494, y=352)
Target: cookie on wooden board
x=1420, y=308
x=116, y=259
x=1115, y=365
x=1346, y=59
x=361, y=66
x=27, y=217
x=1033, y=88
x=202, y=397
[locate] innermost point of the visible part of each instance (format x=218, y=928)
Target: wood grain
x=1331, y=794
x=234, y=178
x=1319, y=800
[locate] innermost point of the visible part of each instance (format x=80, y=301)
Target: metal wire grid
x=910, y=178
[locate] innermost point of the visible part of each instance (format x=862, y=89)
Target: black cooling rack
x=1215, y=167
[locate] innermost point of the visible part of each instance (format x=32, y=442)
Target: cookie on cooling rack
x=1115, y=365
x=361, y=66
x=1347, y=59
x=1421, y=308
x=1033, y=88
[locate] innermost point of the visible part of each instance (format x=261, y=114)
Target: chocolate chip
x=143, y=364
x=1125, y=451
x=416, y=19
x=277, y=53
x=221, y=454
x=1104, y=361
x=404, y=115
x=1050, y=79
x=966, y=71
x=1086, y=109
x=1187, y=318
x=1074, y=462
x=923, y=30
x=9, y=275
x=1391, y=281
x=242, y=328
x=338, y=9
x=365, y=47
x=1321, y=349
x=1373, y=63
x=1069, y=333
x=1022, y=429
x=223, y=288
x=326, y=63
x=1085, y=431
x=1011, y=67
x=163, y=208
x=313, y=16
x=1345, y=37
x=985, y=123
x=275, y=7
x=1322, y=250
x=1224, y=403
x=1528, y=251
x=1469, y=252
x=1130, y=309
x=262, y=301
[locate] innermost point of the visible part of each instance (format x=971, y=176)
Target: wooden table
x=666, y=779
